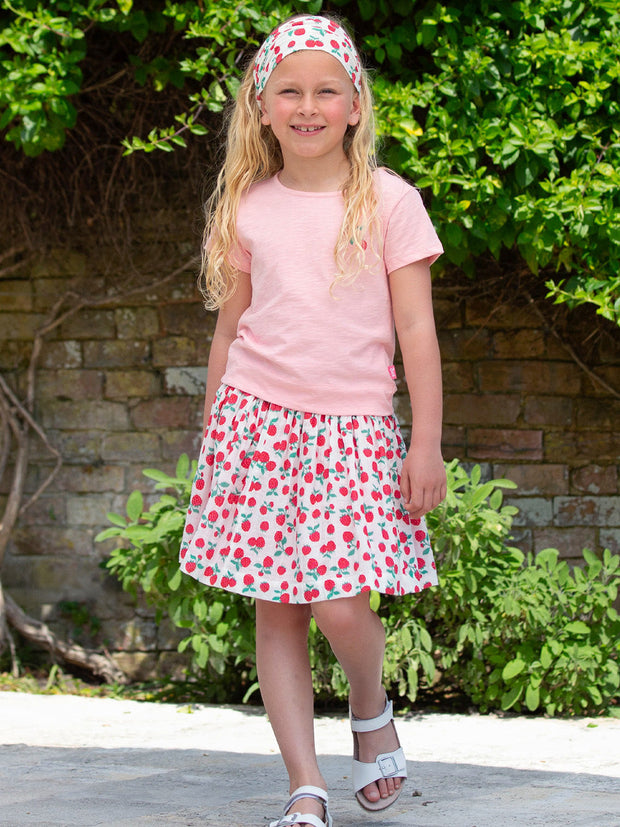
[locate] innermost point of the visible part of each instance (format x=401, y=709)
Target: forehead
x=309, y=65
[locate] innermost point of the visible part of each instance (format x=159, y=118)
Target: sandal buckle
x=388, y=766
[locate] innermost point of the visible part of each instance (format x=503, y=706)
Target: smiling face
x=309, y=101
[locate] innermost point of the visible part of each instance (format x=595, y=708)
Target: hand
x=423, y=481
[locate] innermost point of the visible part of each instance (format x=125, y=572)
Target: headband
x=306, y=33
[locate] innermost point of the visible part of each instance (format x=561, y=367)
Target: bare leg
x=286, y=687
x=357, y=638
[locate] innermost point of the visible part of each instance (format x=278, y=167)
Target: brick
x=89, y=324
x=575, y=447
x=610, y=538
x=598, y=414
x=448, y=312
x=610, y=374
x=88, y=509
x=489, y=315
x=20, y=326
x=49, y=510
x=544, y=377
x=497, y=443
x=15, y=295
x=544, y=480
x=522, y=539
x=136, y=322
x=49, y=540
x=85, y=415
x=589, y=511
x=476, y=409
x=468, y=345
x=175, y=412
x=70, y=384
x=115, y=354
x=14, y=355
x=125, y=384
x=570, y=542
x=77, y=446
x=175, y=443
x=90, y=479
x=188, y=381
x=175, y=350
x=132, y=447
x=186, y=320
x=548, y=410
x=458, y=377
x=594, y=479
x=61, y=355
x=61, y=262
x=138, y=666
x=533, y=511
x=519, y=344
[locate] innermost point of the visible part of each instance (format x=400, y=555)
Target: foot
x=371, y=744
x=308, y=806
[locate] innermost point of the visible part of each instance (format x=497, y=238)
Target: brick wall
x=122, y=389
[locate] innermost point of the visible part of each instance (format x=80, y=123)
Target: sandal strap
x=372, y=724
x=306, y=791
x=386, y=765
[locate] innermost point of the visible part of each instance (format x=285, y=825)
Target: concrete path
x=85, y=761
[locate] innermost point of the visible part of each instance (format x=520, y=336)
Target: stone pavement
x=86, y=761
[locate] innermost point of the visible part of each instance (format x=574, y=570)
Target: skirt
x=296, y=507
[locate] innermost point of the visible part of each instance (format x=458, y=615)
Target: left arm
x=423, y=480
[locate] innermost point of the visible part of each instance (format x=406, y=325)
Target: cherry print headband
x=306, y=33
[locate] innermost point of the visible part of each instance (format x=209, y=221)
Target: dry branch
x=40, y=634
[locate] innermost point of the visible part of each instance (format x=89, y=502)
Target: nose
x=307, y=104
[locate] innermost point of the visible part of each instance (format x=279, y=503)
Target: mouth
x=308, y=130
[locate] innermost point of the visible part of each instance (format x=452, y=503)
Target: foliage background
x=505, y=114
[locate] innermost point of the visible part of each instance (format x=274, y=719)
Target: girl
x=305, y=497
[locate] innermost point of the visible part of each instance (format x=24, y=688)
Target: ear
x=356, y=111
x=264, y=117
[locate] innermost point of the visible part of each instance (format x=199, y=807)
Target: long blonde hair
x=253, y=154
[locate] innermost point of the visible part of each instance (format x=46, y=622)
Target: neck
x=315, y=176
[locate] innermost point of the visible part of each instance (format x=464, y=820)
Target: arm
x=225, y=333
x=423, y=481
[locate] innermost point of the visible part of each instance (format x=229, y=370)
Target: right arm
x=224, y=335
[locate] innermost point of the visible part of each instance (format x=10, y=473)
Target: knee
x=341, y=618
x=276, y=619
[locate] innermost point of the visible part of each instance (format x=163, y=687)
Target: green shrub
x=510, y=631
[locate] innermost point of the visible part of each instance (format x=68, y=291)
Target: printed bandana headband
x=306, y=33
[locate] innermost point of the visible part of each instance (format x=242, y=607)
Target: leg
x=357, y=638
x=286, y=687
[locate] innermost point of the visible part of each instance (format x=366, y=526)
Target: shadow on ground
x=60, y=787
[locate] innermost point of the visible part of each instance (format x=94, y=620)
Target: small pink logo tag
x=392, y=371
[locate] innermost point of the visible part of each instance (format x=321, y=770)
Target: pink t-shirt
x=298, y=344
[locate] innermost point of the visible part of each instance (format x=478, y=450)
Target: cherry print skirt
x=295, y=507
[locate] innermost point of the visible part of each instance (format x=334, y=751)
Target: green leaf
x=512, y=669
x=134, y=506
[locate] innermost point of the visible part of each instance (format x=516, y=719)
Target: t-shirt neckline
x=310, y=193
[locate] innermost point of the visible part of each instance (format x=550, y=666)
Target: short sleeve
x=238, y=256
x=409, y=235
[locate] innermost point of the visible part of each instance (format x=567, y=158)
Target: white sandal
x=305, y=818
x=386, y=764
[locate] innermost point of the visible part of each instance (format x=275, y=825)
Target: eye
x=288, y=91
x=328, y=92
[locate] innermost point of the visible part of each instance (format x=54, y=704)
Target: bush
x=510, y=631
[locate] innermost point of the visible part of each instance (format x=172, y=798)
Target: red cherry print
x=264, y=587
x=285, y=598
x=190, y=567
x=200, y=542
x=248, y=579
x=420, y=536
x=200, y=484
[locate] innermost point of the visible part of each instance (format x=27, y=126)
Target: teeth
x=308, y=128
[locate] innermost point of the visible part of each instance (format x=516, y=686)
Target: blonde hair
x=253, y=154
